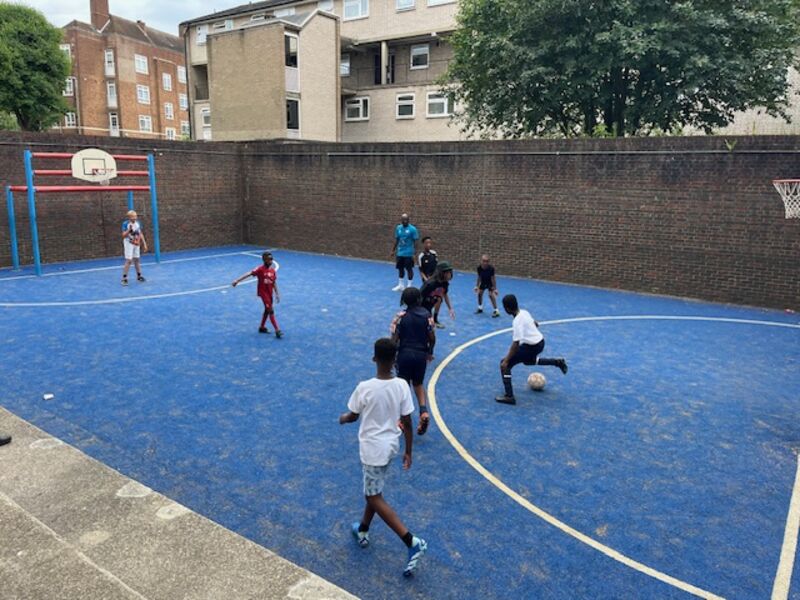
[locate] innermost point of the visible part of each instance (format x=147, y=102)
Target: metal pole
x=130, y=199
x=37, y=262
x=12, y=225
x=151, y=167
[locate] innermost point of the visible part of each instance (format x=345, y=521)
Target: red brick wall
x=199, y=191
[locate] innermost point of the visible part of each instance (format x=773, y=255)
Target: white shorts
x=131, y=251
x=374, y=478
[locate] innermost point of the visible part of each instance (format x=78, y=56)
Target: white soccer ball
x=536, y=381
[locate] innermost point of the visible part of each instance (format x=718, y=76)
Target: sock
x=507, y=385
x=480, y=306
x=274, y=321
x=547, y=362
x=408, y=539
x=263, y=321
x=401, y=282
x=363, y=528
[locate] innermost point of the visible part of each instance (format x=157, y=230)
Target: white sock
x=480, y=306
x=400, y=282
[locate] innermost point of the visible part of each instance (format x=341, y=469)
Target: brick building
x=128, y=80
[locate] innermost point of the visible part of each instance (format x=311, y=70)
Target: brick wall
x=677, y=216
x=199, y=191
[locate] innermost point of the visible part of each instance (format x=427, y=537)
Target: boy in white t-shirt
x=527, y=344
x=385, y=404
x=133, y=242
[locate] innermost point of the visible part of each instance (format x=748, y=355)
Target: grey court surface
x=72, y=528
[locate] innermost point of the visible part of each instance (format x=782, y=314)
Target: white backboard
x=93, y=165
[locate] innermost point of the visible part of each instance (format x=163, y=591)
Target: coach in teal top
x=404, y=249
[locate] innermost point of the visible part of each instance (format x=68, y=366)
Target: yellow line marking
x=547, y=517
x=783, y=577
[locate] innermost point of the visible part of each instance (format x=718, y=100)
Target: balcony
x=397, y=75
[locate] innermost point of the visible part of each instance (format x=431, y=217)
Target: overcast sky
x=161, y=14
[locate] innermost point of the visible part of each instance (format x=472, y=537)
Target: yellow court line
x=783, y=577
x=547, y=517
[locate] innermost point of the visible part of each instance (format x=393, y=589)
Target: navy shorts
x=411, y=366
x=526, y=354
x=405, y=263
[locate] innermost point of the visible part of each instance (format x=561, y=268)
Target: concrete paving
x=73, y=528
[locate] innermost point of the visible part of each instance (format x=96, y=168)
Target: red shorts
x=266, y=299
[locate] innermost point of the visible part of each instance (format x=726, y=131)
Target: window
x=202, y=34
x=344, y=65
x=326, y=5
x=290, y=44
x=170, y=133
x=438, y=105
x=70, y=120
x=356, y=109
x=109, y=63
x=356, y=9
x=183, y=101
x=145, y=123
x=181, y=74
x=405, y=106
x=169, y=111
x=420, y=56
x=69, y=87
x=66, y=49
x=284, y=12
x=185, y=128
x=140, y=62
x=258, y=17
x=437, y=2
x=292, y=114
x=113, y=124
x=225, y=25
x=111, y=93
x=404, y=4
x=143, y=94
x=206, y=116
x=166, y=82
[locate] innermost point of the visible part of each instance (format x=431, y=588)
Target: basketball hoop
x=104, y=175
x=789, y=189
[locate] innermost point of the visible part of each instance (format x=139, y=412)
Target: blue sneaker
x=415, y=552
x=362, y=537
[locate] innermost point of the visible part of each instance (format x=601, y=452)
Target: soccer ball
x=536, y=381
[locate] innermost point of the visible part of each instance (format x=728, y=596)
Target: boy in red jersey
x=267, y=282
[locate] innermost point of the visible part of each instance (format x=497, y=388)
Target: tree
x=33, y=69
x=631, y=67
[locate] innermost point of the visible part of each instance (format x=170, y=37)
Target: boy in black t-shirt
x=427, y=259
x=486, y=281
x=434, y=291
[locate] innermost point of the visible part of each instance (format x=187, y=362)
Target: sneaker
x=562, y=364
x=4, y=439
x=124, y=281
x=478, y=310
x=140, y=279
x=278, y=334
x=415, y=552
x=362, y=537
x=398, y=288
x=439, y=325
x=263, y=330
x=495, y=314
x=505, y=399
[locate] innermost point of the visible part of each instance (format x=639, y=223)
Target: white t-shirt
x=525, y=330
x=381, y=403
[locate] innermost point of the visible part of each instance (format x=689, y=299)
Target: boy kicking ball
x=385, y=404
x=527, y=344
x=267, y=283
x=133, y=243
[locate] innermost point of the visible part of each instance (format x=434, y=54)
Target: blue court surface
x=663, y=464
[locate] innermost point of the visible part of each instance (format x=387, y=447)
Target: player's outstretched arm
x=348, y=417
x=241, y=279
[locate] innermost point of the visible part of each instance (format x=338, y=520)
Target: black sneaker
x=140, y=278
x=124, y=281
x=263, y=330
x=478, y=311
x=495, y=314
x=279, y=334
x=562, y=364
x=4, y=439
x=505, y=399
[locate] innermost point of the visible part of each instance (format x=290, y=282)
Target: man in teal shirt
x=404, y=250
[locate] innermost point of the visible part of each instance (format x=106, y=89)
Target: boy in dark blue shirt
x=486, y=281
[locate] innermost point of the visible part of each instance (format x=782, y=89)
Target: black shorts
x=404, y=263
x=526, y=354
x=411, y=366
x=485, y=286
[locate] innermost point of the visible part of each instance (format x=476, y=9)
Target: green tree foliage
x=625, y=67
x=8, y=121
x=32, y=68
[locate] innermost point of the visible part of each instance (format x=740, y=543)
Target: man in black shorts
x=404, y=249
x=486, y=281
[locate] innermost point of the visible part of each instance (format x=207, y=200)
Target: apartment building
x=128, y=79
x=324, y=70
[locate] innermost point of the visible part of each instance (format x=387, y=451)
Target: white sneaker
x=398, y=288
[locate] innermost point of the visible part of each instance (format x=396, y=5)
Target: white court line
x=783, y=577
x=111, y=268
x=542, y=514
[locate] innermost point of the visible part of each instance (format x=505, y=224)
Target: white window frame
x=109, y=64
x=205, y=113
x=405, y=99
x=438, y=98
x=146, y=123
x=66, y=49
x=111, y=93
x=183, y=101
x=70, y=120
x=344, y=65
x=69, y=87
x=419, y=50
x=166, y=82
x=404, y=5
x=439, y=2
x=363, y=9
x=112, y=116
x=297, y=53
x=284, y=12
x=170, y=133
x=185, y=128
x=142, y=93
x=361, y=102
x=141, y=64
x=326, y=5
x=169, y=111
x=225, y=25
x=181, y=74
x=202, y=35
x=258, y=18
x=297, y=129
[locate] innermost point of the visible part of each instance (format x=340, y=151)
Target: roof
x=131, y=29
x=242, y=8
